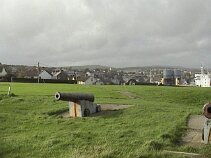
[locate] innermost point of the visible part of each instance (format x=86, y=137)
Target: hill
x=91, y=67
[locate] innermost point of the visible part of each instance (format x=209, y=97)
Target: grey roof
x=1, y=68
x=47, y=72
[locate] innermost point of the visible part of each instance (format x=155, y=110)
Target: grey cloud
x=115, y=33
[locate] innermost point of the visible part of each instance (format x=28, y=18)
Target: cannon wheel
x=86, y=112
x=98, y=108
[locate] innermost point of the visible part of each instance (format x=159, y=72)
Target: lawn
x=30, y=126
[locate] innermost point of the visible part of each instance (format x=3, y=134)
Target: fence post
x=9, y=91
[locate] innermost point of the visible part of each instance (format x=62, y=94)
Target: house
x=45, y=75
x=82, y=79
x=71, y=75
x=3, y=72
x=60, y=75
x=89, y=80
x=89, y=74
x=202, y=80
x=117, y=80
x=31, y=74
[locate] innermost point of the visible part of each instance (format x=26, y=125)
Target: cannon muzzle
x=207, y=110
x=74, y=97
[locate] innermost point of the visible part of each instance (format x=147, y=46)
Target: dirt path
x=114, y=106
x=128, y=94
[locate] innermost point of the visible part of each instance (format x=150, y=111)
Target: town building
x=3, y=72
x=171, y=77
x=45, y=75
x=203, y=79
x=89, y=80
x=60, y=75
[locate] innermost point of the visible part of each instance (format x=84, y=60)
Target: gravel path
x=128, y=94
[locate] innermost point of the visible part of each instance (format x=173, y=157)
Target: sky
x=117, y=33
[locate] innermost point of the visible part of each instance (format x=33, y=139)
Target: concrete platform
x=193, y=137
x=107, y=109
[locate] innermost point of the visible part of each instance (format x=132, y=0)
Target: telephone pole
x=38, y=71
x=150, y=76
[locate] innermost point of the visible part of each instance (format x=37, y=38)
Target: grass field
x=31, y=128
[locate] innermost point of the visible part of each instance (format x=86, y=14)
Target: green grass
x=30, y=128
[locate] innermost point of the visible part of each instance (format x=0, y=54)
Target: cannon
x=207, y=110
x=80, y=104
x=206, y=132
x=74, y=97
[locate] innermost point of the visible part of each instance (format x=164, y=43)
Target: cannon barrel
x=74, y=97
x=207, y=110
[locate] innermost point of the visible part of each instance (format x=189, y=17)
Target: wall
x=27, y=80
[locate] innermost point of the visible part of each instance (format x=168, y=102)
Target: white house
x=202, y=80
x=3, y=72
x=45, y=75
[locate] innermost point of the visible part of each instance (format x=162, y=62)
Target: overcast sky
x=116, y=33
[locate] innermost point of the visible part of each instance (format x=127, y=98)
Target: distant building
x=45, y=75
x=89, y=74
x=71, y=75
x=171, y=77
x=202, y=80
x=3, y=72
x=32, y=74
x=82, y=79
x=90, y=80
x=60, y=75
